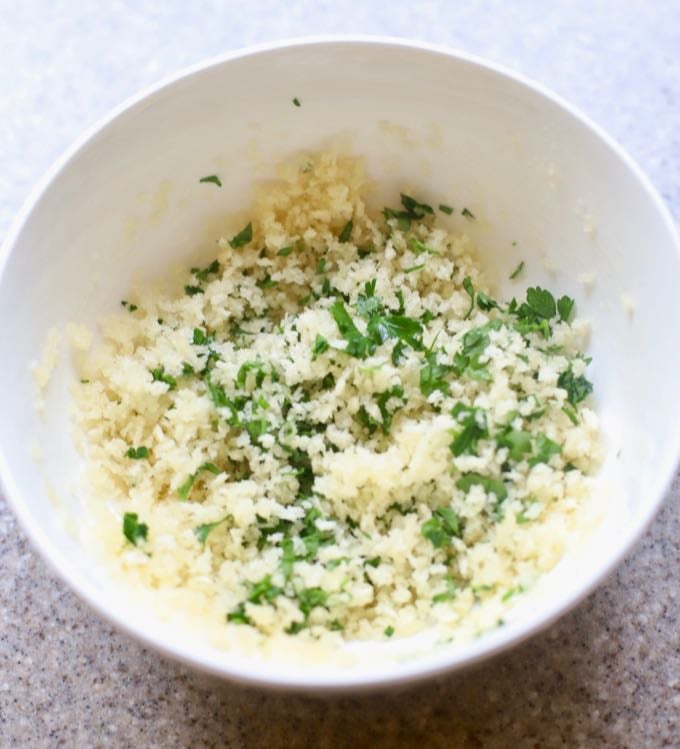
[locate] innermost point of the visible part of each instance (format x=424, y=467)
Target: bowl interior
x=545, y=187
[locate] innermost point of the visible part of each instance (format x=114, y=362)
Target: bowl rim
x=420, y=668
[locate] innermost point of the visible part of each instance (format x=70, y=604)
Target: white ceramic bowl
x=548, y=187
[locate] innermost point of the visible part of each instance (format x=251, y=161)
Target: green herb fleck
x=160, y=375
x=133, y=530
x=565, y=306
x=389, y=631
x=578, y=388
x=212, y=178
x=285, y=251
x=185, y=489
x=490, y=486
x=470, y=290
x=545, y=448
x=468, y=214
x=441, y=527
x=473, y=421
x=242, y=238
x=414, y=268
x=191, y=290
x=296, y=102
x=346, y=232
x=450, y=592
x=445, y=209
x=517, y=270
x=203, y=531
x=137, y=453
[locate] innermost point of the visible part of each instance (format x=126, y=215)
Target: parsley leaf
x=469, y=288
x=545, y=449
x=414, y=207
x=310, y=598
x=517, y=270
x=190, y=290
x=239, y=616
x=137, y=453
x=358, y=345
x=473, y=421
x=203, y=531
x=565, y=306
x=346, y=232
x=367, y=421
x=203, y=273
x=542, y=302
x=445, y=209
x=266, y=282
x=250, y=366
x=285, y=251
x=433, y=374
x=451, y=591
x=394, y=393
x=242, y=238
x=212, y=178
x=578, y=388
x=441, y=527
x=320, y=346
x=133, y=530
x=517, y=441
x=159, y=375
x=185, y=489
x=490, y=486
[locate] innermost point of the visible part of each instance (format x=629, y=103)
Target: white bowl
x=548, y=187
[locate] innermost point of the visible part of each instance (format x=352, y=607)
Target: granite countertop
x=607, y=674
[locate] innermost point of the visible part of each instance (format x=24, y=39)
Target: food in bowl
x=333, y=430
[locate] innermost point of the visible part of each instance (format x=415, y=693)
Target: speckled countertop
x=608, y=674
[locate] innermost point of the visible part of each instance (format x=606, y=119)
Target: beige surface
x=607, y=675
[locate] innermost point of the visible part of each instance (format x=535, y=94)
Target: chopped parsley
x=517, y=271
x=203, y=273
x=296, y=102
x=160, y=375
x=518, y=442
x=470, y=291
x=203, y=531
x=433, y=375
x=490, y=486
x=213, y=178
x=389, y=631
x=449, y=592
x=578, y=388
x=468, y=214
x=129, y=306
x=133, y=530
x=441, y=527
x=445, y=209
x=285, y=251
x=320, y=346
x=545, y=448
x=191, y=290
x=414, y=268
x=185, y=488
x=565, y=306
x=242, y=238
x=474, y=428
x=137, y=453
x=346, y=232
